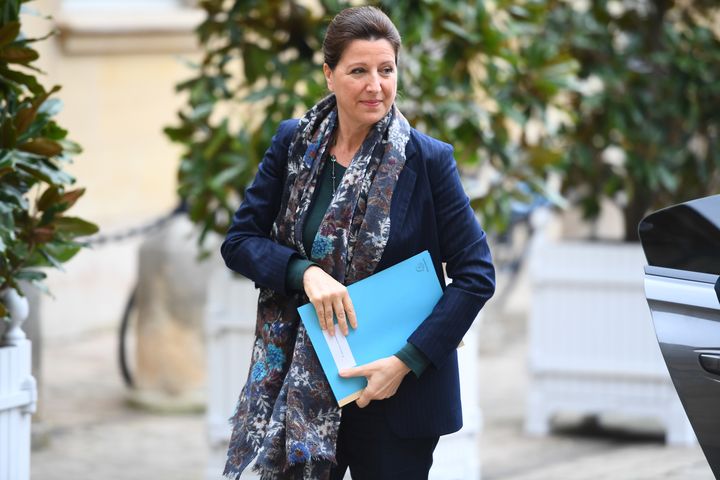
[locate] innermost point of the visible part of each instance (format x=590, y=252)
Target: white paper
x=340, y=349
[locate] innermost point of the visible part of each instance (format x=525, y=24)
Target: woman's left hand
x=384, y=377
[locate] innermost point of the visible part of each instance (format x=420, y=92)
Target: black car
x=682, y=286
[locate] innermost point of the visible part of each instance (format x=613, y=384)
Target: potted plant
x=645, y=135
x=471, y=76
x=35, y=228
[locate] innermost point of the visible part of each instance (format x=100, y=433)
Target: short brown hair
x=358, y=23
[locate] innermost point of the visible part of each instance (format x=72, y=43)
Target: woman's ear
x=328, y=76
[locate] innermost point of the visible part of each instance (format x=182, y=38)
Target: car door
x=682, y=247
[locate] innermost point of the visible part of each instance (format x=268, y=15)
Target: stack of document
x=389, y=306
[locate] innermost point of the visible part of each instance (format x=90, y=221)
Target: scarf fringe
x=296, y=472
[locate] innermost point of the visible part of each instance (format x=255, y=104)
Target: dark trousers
x=373, y=452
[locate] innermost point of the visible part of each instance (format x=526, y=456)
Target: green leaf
x=8, y=75
x=50, y=259
x=42, y=146
x=69, y=198
x=23, y=55
x=43, y=170
x=8, y=33
x=8, y=134
x=54, y=132
x=63, y=251
x=460, y=31
x=12, y=194
x=26, y=116
x=51, y=106
x=48, y=198
x=75, y=226
x=254, y=62
x=31, y=275
x=227, y=177
x=69, y=147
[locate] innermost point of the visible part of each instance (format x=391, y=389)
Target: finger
x=349, y=310
x=329, y=317
x=352, y=372
x=320, y=311
x=363, y=401
x=340, y=314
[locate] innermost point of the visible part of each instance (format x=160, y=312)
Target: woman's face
x=364, y=82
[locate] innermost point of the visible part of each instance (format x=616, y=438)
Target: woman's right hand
x=329, y=296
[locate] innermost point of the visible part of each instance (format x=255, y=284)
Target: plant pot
x=170, y=374
x=592, y=347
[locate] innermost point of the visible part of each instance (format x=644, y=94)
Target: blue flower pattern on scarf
x=275, y=357
x=322, y=247
x=298, y=453
x=259, y=372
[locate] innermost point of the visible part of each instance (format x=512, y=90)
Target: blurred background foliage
x=646, y=130
x=35, y=191
x=475, y=77
x=617, y=99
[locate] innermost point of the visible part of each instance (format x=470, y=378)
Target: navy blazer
x=429, y=211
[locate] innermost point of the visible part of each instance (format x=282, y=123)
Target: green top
x=409, y=354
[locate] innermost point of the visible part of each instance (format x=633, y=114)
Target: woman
x=346, y=191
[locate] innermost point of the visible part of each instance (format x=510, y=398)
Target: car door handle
x=710, y=362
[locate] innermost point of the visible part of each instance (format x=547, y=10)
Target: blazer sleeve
x=247, y=248
x=464, y=249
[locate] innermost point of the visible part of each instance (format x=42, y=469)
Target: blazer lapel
x=404, y=188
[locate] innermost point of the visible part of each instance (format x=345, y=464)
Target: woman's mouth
x=371, y=103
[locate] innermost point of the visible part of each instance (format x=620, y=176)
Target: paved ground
x=93, y=434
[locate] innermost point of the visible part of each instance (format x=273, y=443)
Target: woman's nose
x=374, y=83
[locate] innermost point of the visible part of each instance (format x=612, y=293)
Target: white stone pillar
x=18, y=391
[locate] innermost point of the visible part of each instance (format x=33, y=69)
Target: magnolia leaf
x=30, y=275
x=42, y=146
x=54, y=132
x=8, y=134
x=51, y=260
x=459, y=31
x=51, y=106
x=26, y=116
x=63, y=251
x=8, y=33
x=42, y=234
x=11, y=194
x=70, y=147
x=43, y=170
x=23, y=55
x=49, y=197
x=75, y=226
x=22, y=79
x=69, y=198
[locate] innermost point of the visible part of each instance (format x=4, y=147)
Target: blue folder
x=389, y=306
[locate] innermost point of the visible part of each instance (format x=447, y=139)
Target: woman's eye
x=356, y=70
x=388, y=70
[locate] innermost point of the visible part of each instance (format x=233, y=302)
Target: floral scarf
x=286, y=414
